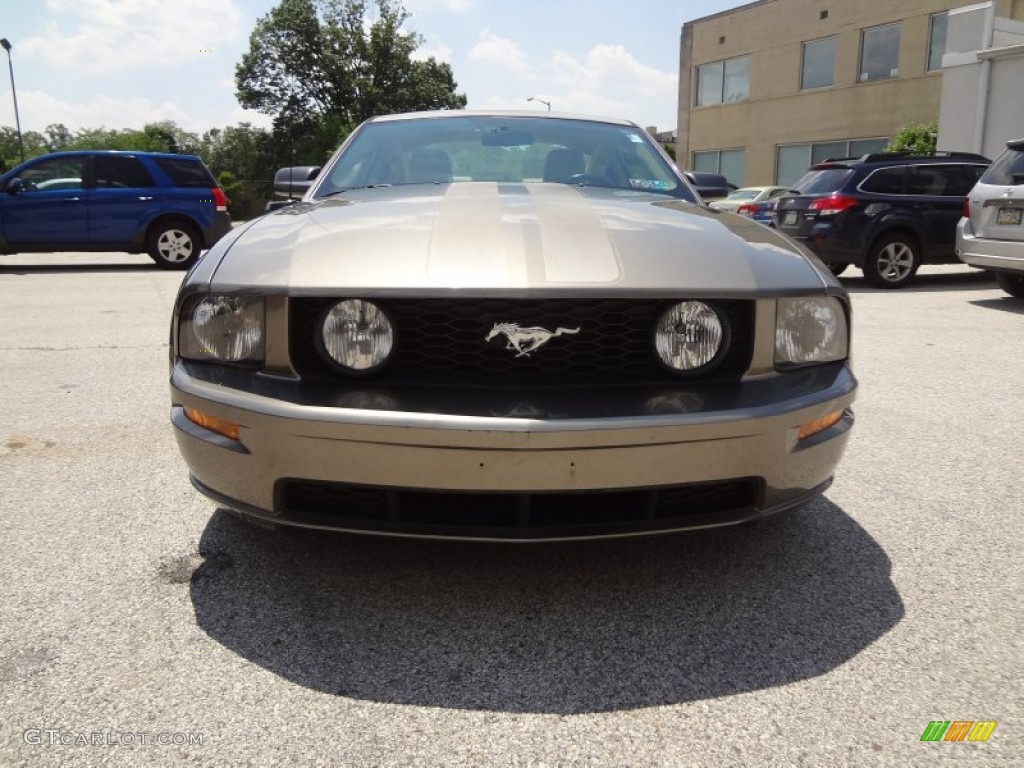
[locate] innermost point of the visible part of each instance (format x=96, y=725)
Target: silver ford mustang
x=507, y=326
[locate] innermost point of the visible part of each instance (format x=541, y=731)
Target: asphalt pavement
x=141, y=626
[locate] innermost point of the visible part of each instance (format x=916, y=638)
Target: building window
x=723, y=81
x=937, y=40
x=818, y=65
x=793, y=160
x=880, y=52
x=728, y=162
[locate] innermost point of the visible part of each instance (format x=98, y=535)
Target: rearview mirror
x=506, y=137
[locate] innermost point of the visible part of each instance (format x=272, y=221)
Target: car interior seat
x=562, y=164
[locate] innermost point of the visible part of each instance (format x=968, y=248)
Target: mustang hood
x=509, y=239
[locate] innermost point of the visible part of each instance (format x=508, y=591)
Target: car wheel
x=893, y=262
x=837, y=269
x=1012, y=283
x=173, y=245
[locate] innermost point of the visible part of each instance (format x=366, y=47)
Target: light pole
x=6, y=44
x=546, y=103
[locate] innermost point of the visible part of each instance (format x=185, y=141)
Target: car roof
x=536, y=114
x=1015, y=144
x=125, y=152
x=900, y=158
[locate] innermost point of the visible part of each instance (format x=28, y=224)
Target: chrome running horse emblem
x=526, y=340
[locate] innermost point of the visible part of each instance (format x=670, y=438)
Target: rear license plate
x=1008, y=215
x=790, y=218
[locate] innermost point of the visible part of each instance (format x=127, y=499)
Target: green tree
x=234, y=190
x=915, y=139
x=10, y=149
x=243, y=149
x=58, y=137
x=321, y=67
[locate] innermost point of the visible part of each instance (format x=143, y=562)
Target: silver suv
x=991, y=234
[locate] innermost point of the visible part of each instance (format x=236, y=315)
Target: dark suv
x=168, y=206
x=886, y=213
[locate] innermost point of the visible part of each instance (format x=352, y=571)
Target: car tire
x=837, y=269
x=892, y=262
x=1012, y=283
x=173, y=245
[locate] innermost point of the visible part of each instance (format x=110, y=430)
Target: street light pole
x=546, y=103
x=6, y=44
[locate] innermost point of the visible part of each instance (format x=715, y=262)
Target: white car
x=745, y=195
x=991, y=234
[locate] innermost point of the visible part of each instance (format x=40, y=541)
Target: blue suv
x=886, y=213
x=168, y=206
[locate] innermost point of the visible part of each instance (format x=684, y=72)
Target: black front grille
x=442, y=340
x=513, y=514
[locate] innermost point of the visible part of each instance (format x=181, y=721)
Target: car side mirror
x=296, y=180
x=276, y=205
x=15, y=187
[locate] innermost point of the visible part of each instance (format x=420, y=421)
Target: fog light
x=212, y=423
x=815, y=426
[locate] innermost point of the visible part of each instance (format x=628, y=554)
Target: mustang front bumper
x=582, y=464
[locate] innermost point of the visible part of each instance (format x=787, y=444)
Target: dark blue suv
x=168, y=206
x=886, y=213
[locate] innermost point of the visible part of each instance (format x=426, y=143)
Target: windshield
x=1008, y=169
x=822, y=181
x=522, y=150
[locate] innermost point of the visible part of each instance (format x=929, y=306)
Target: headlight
x=810, y=330
x=227, y=328
x=357, y=335
x=689, y=336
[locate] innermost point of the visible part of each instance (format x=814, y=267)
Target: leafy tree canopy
x=316, y=64
x=915, y=139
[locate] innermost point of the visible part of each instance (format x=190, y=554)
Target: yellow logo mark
x=982, y=730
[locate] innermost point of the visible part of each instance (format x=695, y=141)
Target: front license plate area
x=1009, y=216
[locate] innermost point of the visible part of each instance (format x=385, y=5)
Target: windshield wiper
x=351, y=189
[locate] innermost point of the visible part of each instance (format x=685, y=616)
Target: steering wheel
x=584, y=178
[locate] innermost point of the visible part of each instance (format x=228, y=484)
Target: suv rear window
x=1008, y=169
x=825, y=180
x=186, y=173
x=886, y=181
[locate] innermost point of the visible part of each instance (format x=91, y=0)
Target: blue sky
x=123, y=63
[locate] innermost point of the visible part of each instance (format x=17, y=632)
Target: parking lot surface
x=142, y=626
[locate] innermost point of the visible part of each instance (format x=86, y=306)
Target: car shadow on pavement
x=43, y=269
x=973, y=280
x=1005, y=303
x=552, y=628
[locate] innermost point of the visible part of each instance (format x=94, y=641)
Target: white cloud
x=435, y=48
x=116, y=113
x=498, y=50
x=114, y=35
x=611, y=81
x=445, y=5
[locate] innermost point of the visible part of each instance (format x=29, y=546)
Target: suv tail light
x=967, y=208
x=833, y=204
x=219, y=198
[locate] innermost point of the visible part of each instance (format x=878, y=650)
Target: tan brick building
x=770, y=87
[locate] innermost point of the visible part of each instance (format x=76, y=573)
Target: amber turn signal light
x=815, y=426
x=212, y=423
